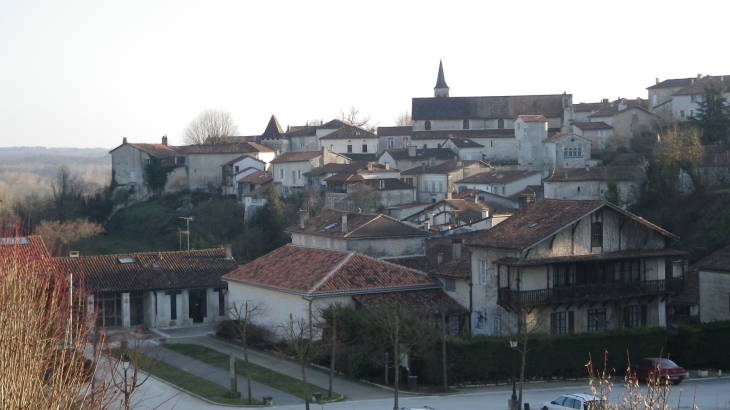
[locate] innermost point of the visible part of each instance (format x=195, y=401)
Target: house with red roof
x=574, y=266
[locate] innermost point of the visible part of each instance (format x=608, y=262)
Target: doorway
x=198, y=304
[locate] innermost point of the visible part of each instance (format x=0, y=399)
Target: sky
x=86, y=74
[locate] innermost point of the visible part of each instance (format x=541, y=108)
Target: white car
x=577, y=401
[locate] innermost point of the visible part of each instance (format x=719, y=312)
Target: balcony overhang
x=590, y=257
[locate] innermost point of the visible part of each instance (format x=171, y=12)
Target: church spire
x=441, y=89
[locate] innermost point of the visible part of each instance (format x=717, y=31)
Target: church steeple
x=441, y=89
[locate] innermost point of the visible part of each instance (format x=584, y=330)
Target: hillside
x=702, y=223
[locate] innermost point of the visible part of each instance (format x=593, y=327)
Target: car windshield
x=666, y=363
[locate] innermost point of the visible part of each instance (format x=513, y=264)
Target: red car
x=656, y=369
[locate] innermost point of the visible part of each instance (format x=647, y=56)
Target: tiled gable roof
x=480, y=133
x=256, y=177
x=537, y=222
x=30, y=248
x=614, y=110
x=631, y=173
x=532, y=118
x=151, y=271
x=439, y=153
x=304, y=131
x=333, y=167
x=236, y=148
x=263, y=188
x=327, y=271
x=233, y=161
x=425, y=303
x=155, y=150
x=359, y=225
x=589, y=107
x=361, y=157
x=336, y=123
x=296, y=157
x=718, y=261
x=501, y=177
x=348, y=132
x=344, y=177
x=697, y=86
x=598, y=125
x=465, y=143
x=466, y=211
x=672, y=83
x=558, y=136
x=506, y=107
x=395, y=131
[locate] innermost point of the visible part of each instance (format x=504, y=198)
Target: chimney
x=411, y=150
x=448, y=195
x=699, y=76
x=427, y=225
x=164, y=139
x=485, y=213
x=456, y=249
x=344, y=223
x=432, y=161
x=303, y=218
x=229, y=254
x=124, y=140
x=440, y=258
x=387, y=165
x=657, y=80
x=459, y=164
x=370, y=166
x=73, y=254
x=476, y=198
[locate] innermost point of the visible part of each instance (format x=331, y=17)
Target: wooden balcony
x=599, y=292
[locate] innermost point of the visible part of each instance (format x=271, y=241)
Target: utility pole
x=187, y=229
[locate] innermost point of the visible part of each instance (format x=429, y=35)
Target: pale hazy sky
x=88, y=73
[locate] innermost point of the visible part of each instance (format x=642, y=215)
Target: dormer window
x=466, y=124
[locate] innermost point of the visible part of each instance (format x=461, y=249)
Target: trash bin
x=268, y=401
x=316, y=397
x=413, y=382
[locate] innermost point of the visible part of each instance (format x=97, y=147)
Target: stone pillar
x=162, y=318
x=662, y=313
x=211, y=298
x=125, y=310
x=183, y=315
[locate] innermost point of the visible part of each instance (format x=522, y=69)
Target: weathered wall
x=714, y=296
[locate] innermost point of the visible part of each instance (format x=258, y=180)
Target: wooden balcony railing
x=593, y=292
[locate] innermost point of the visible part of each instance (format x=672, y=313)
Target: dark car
x=656, y=369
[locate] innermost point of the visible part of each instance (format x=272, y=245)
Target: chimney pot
x=440, y=258
x=303, y=218
x=412, y=151
x=387, y=165
x=164, y=139
x=124, y=140
x=456, y=249
x=657, y=80
x=229, y=253
x=344, y=223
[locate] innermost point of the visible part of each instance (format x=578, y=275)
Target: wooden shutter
x=554, y=323
x=570, y=322
x=643, y=315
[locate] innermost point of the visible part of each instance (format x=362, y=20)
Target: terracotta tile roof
x=233, y=161
x=296, y=157
x=532, y=118
x=672, y=83
x=537, y=191
x=348, y=132
x=443, y=168
x=256, y=177
x=425, y=303
x=439, y=153
x=606, y=256
x=394, y=131
x=466, y=211
x=533, y=224
x=388, y=184
x=716, y=262
x=465, y=143
x=30, y=248
x=691, y=292
x=155, y=150
x=263, y=188
x=631, y=173
x=242, y=147
x=446, y=134
x=614, y=110
x=558, y=136
x=506, y=107
x=336, y=168
x=327, y=271
x=344, y=177
x=359, y=225
x=151, y=271
x=501, y=177
x=697, y=86
x=335, y=124
x=598, y=125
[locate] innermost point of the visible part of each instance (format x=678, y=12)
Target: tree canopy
x=209, y=127
x=713, y=114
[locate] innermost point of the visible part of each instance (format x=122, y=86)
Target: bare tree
x=59, y=235
x=243, y=314
x=336, y=333
x=680, y=148
x=209, y=127
x=300, y=335
x=404, y=119
x=354, y=117
x=68, y=191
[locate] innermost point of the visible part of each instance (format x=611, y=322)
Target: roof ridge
x=330, y=273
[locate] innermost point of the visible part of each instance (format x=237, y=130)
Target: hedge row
x=703, y=345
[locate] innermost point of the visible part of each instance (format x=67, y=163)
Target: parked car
x=656, y=369
x=417, y=408
x=579, y=401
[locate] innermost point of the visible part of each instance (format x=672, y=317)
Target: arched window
x=466, y=124
x=428, y=125
x=500, y=123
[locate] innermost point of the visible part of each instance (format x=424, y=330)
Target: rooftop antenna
x=187, y=229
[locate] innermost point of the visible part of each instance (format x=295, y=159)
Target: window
x=236, y=168
x=504, y=190
x=625, y=271
x=173, y=305
x=406, y=141
x=691, y=113
x=425, y=186
x=519, y=126
x=221, y=303
x=391, y=142
x=578, y=189
x=453, y=326
x=635, y=315
x=433, y=186
x=479, y=324
x=450, y=285
x=596, y=320
x=301, y=142
x=572, y=152
x=281, y=173
x=597, y=234
x=349, y=148
x=564, y=275
x=681, y=113
x=482, y=272
x=428, y=125
x=441, y=186
x=466, y=124
x=462, y=188
x=602, y=133
x=500, y=123
x=364, y=147
x=299, y=174
x=561, y=323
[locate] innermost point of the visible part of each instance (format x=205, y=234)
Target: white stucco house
x=590, y=184
x=498, y=182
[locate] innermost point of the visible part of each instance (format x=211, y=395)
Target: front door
x=196, y=310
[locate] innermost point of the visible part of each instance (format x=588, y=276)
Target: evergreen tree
x=713, y=114
x=613, y=192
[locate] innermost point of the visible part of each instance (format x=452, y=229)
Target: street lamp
x=513, y=345
x=125, y=366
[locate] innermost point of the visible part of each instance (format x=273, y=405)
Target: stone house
x=530, y=132
x=498, y=182
x=465, y=148
x=155, y=289
x=565, y=151
x=395, y=137
x=574, y=266
x=376, y=235
x=350, y=139
x=204, y=161
x=590, y=184
x=454, y=215
x=598, y=132
x=288, y=169
x=325, y=276
x=413, y=157
x=236, y=169
x=677, y=99
x=437, y=182
x=627, y=118
x=706, y=295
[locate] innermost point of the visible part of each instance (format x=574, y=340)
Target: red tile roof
x=632, y=173
x=479, y=133
x=348, y=132
x=326, y=271
x=256, y=177
x=359, y=225
x=422, y=302
x=500, y=177
x=154, y=150
x=716, y=262
x=296, y=156
x=422, y=154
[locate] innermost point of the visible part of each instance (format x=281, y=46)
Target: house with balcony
x=575, y=266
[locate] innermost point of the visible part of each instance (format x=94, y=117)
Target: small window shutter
x=570, y=322
x=627, y=316
x=643, y=315
x=554, y=323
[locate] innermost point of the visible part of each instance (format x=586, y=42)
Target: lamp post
x=125, y=367
x=513, y=345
